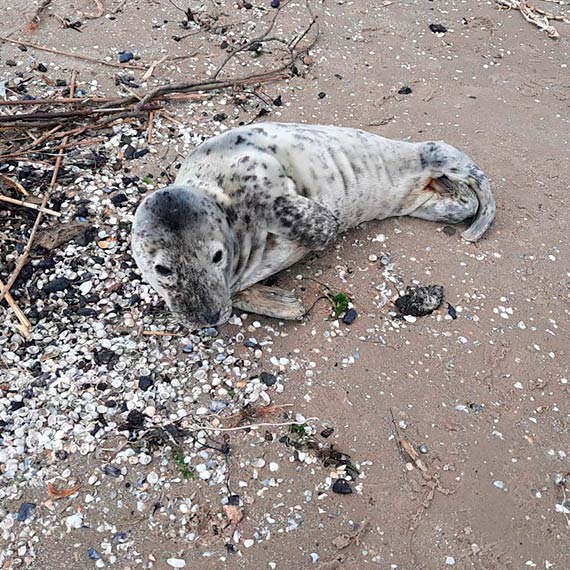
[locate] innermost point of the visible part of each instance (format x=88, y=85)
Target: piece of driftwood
x=270, y=302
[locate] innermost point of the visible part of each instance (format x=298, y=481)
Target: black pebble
x=224, y=45
x=349, y=317
x=233, y=500
x=219, y=117
x=141, y=152
x=60, y=82
x=437, y=28
x=104, y=356
x=404, y=90
x=112, y=471
x=16, y=405
x=125, y=56
x=25, y=511
x=451, y=311
x=119, y=199
x=327, y=432
x=278, y=101
x=11, y=63
x=145, y=382
x=42, y=67
x=268, y=379
x=449, y=230
x=130, y=152
x=251, y=344
x=322, y=95
x=342, y=487
x=135, y=418
x=58, y=284
x=247, y=5
x=275, y=3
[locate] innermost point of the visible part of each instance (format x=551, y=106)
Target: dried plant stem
x=29, y=205
x=24, y=322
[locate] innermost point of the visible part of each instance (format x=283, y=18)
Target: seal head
x=183, y=246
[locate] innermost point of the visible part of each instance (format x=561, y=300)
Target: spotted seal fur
x=254, y=200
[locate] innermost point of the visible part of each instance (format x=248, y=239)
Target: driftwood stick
x=14, y=183
x=29, y=205
x=24, y=257
x=73, y=55
x=25, y=323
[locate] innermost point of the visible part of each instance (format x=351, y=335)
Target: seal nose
x=212, y=318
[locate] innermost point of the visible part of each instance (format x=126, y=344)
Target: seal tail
x=459, y=168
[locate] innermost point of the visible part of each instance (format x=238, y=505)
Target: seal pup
x=254, y=200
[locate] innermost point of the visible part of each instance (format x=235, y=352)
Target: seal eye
x=162, y=270
x=218, y=256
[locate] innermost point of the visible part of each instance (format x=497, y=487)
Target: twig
x=249, y=426
x=245, y=47
x=29, y=205
x=150, y=127
x=98, y=14
x=153, y=66
x=24, y=257
x=34, y=20
x=73, y=55
x=14, y=183
x=25, y=324
x=161, y=333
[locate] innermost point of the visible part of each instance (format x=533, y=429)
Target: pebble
x=423, y=448
x=438, y=28
x=93, y=554
x=268, y=379
x=404, y=90
x=145, y=382
x=499, y=484
x=176, y=562
x=25, y=511
x=112, y=470
x=450, y=561
x=275, y=3
x=349, y=317
x=342, y=487
x=125, y=56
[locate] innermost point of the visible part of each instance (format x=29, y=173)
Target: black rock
x=112, y=471
x=125, y=56
x=327, y=432
x=11, y=63
x=248, y=5
x=349, y=317
x=16, y=405
x=268, y=379
x=449, y=230
x=251, y=344
x=25, y=511
x=219, y=117
x=233, y=500
x=118, y=199
x=60, y=83
x=42, y=67
x=322, y=95
x=130, y=152
x=59, y=284
x=437, y=28
x=404, y=90
x=278, y=101
x=275, y=3
x=451, y=311
x=61, y=454
x=420, y=301
x=135, y=419
x=224, y=45
x=342, y=487
x=145, y=382
x=104, y=356
x=140, y=153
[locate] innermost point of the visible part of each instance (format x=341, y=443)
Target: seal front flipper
x=303, y=221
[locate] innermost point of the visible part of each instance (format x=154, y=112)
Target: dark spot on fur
x=239, y=140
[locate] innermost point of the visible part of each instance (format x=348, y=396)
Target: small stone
x=188, y=348
x=219, y=117
x=342, y=487
x=25, y=511
x=125, y=56
x=499, y=484
x=423, y=448
x=438, y=28
x=322, y=95
x=145, y=382
x=112, y=471
x=449, y=230
x=275, y=3
x=135, y=419
x=327, y=432
x=11, y=63
x=314, y=557
x=349, y=317
x=93, y=554
x=405, y=90
x=119, y=537
x=268, y=379
x=59, y=284
x=451, y=311
x=450, y=561
x=278, y=101
x=118, y=199
x=42, y=68
x=176, y=562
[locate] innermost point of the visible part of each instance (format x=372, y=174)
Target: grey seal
x=256, y=199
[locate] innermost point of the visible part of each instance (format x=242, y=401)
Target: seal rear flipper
x=303, y=221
